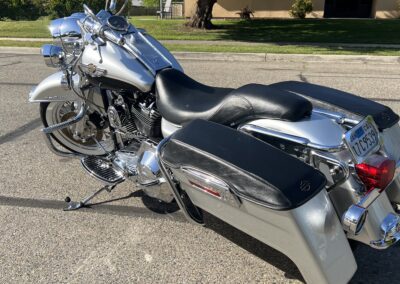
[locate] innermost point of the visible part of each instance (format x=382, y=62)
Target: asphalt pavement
x=126, y=237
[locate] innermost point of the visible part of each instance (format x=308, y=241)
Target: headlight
x=53, y=55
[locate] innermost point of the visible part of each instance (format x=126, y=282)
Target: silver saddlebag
x=262, y=191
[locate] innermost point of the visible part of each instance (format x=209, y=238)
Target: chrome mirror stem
x=113, y=6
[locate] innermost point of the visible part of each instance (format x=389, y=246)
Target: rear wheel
x=80, y=137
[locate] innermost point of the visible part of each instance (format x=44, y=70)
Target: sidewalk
x=252, y=57
x=239, y=43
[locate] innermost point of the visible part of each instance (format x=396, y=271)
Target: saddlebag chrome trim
x=250, y=128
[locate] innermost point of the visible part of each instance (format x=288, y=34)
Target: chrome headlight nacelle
x=53, y=55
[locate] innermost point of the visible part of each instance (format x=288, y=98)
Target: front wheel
x=80, y=137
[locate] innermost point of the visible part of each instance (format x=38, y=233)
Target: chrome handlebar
x=94, y=26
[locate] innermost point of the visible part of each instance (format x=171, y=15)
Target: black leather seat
x=181, y=99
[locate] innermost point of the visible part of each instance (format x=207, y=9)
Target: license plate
x=363, y=139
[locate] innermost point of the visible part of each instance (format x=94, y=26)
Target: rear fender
x=54, y=88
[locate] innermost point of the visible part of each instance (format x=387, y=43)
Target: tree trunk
x=202, y=17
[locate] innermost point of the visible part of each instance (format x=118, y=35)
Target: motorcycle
x=306, y=169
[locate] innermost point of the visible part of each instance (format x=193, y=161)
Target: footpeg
x=103, y=169
x=73, y=205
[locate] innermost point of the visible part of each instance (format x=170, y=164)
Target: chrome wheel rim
x=58, y=112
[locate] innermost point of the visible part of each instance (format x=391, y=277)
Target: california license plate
x=363, y=139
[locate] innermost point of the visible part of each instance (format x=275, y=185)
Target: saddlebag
x=204, y=151
x=336, y=100
x=261, y=191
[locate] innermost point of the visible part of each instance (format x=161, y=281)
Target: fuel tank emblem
x=93, y=70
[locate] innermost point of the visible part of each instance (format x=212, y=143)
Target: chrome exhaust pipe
x=354, y=218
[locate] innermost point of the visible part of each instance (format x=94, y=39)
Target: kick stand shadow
x=75, y=205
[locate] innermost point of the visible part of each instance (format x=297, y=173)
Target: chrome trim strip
x=250, y=128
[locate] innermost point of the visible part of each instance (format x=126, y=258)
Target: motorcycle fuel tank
x=113, y=62
x=110, y=61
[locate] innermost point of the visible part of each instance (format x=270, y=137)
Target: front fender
x=54, y=89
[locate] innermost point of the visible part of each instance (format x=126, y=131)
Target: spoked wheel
x=80, y=137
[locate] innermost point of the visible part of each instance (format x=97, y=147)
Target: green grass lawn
x=307, y=31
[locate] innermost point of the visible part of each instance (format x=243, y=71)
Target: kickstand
x=73, y=205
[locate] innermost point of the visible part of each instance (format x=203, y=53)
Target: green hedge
x=34, y=9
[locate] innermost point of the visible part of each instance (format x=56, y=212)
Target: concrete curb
x=20, y=50
x=302, y=58
x=242, y=43
x=251, y=57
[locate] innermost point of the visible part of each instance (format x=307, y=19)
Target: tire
x=47, y=116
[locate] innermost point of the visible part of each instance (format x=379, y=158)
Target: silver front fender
x=54, y=89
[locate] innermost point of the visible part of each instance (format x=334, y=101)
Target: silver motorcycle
x=306, y=169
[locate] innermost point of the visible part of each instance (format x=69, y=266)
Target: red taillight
x=376, y=172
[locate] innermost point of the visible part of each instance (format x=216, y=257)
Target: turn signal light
x=376, y=172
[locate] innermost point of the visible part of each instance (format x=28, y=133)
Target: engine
x=146, y=116
x=138, y=129
x=134, y=116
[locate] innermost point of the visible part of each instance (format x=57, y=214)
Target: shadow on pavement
x=20, y=131
x=373, y=265
x=377, y=266
x=98, y=208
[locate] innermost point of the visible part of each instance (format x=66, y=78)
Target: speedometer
x=118, y=23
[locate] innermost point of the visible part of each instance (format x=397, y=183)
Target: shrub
x=64, y=8
x=301, y=8
x=21, y=9
x=34, y=9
